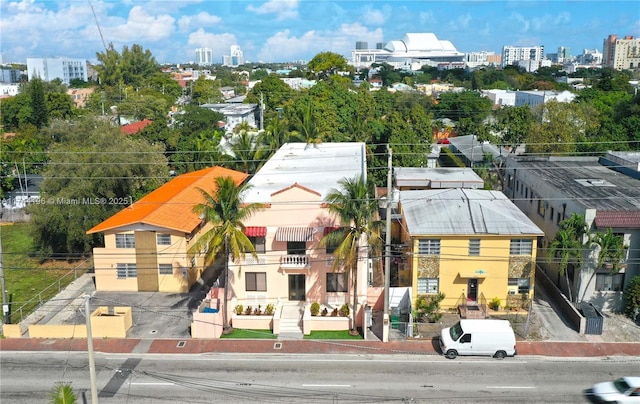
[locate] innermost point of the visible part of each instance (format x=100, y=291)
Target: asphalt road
x=234, y=378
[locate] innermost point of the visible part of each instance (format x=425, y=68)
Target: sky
x=291, y=30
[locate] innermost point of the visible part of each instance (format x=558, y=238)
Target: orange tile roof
x=170, y=206
x=133, y=128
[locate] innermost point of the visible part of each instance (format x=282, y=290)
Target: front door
x=472, y=291
x=297, y=287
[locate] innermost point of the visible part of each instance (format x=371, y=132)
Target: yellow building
x=146, y=244
x=470, y=245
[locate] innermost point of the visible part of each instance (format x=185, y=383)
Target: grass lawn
x=332, y=335
x=239, y=333
x=25, y=276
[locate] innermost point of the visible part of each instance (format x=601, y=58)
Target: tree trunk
x=566, y=277
x=226, y=328
x=354, y=329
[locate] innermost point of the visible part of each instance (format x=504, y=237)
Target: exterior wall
x=147, y=256
x=307, y=211
x=104, y=324
x=454, y=267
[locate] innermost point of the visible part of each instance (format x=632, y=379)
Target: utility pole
x=261, y=112
x=387, y=249
x=6, y=319
x=92, y=364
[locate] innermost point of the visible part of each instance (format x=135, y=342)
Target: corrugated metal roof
x=463, y=211
x=315, y=167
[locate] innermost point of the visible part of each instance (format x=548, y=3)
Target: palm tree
x=62, y=394
x=567, y=245
x=225, y=210
x=307, y=125
x=356, y=211
x=611, y=254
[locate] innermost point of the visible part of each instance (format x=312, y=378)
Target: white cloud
x=200, y=20
x=521, y=22
x=461, y=23
x=219, y=43
x=283, y=9
x=373, y=17
x=284, y=47
x=562, y=18
x=140, y=26
x=427, y=17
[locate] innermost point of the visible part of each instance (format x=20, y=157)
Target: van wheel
x=500, y=355
x=451, y=354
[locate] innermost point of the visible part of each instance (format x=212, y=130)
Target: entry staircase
x=291, y=322
x=472, y=309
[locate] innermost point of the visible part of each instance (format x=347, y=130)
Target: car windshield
x=456, y=331
x=621, y=385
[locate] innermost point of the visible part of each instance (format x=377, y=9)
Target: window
x=474, y=246
x=126, y=271
x=427, y=285
x=552, y=214
x=165, y=269
x=337, y=282
x=541, y=207
x=521, y=283
x=609, y=282
x=163, y=239
x=521, y=247
x=258, y=244
x=296, y=248
x=429, y=246
x=256, y=281
x=125, y=241
x=558, y=217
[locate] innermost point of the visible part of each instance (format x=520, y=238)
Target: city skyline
x=289, y=30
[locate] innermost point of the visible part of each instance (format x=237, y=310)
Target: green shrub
x=344, y=310
x=315, y=308
x=269, y=309
x=239, y=309
x=632, y=298
x=495, y=303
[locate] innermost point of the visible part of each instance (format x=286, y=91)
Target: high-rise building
x=235, y=59
x=64, y=69
x=621, y=54
x=204, y=56
x=512, y=54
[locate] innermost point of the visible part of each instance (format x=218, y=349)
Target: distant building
x=484, y=58
x=621, y=54
x=8, y=75
x=80, y=95
x=235, y=59
x=501, y=98
x=589, y=57
x=204, y=56
x=414, y=50
x=535, y=97
x=512, y=54
x=65, y=69
x=235, y=114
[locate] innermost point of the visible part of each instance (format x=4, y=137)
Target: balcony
x=295, y=261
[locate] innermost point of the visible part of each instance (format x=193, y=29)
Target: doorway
x=472, y=291
x=297, y=288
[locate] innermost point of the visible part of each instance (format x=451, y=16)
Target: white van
x=478, y=337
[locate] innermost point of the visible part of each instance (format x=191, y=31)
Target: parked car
x=622, y=390
x=478, y=337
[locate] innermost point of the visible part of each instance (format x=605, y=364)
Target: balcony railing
x=295, y=261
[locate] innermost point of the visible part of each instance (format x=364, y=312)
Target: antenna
x=98, y=25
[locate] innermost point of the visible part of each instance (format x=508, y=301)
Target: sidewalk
x=171, y=337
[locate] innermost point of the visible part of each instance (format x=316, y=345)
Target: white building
x=621, y=54
x=204, y=56
x=235, y=114
x=512, y=54
x=64, y=69
x=235, y=59
x=501, y=98
x=533, y=98
x=413, y=50
x=483, y=58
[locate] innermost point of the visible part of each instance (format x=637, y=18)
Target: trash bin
x=594, y=319
x=395, y=318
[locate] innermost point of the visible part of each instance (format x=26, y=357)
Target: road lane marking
x=153, y=384
x=326, y=385
x=510, y=387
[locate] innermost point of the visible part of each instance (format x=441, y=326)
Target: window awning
x=473, y=273
x=294, y=234
x=255, y=231
x=330, y=229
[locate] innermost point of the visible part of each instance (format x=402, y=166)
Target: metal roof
x=463, y=212
x=583, y=180
x=442, y=177
x=315, y=167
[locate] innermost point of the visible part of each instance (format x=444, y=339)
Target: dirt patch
x=619, y=328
